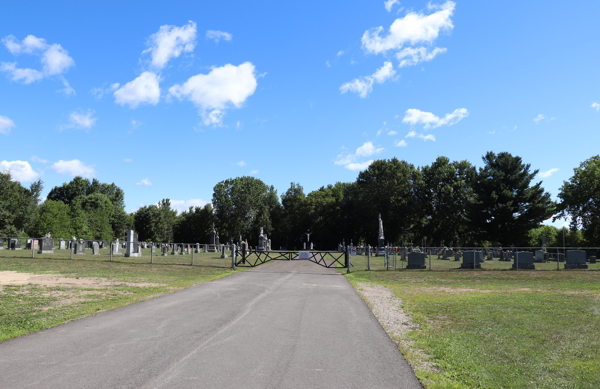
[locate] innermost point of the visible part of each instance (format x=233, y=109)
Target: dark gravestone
x=416, y=261
x=1, y=244
x=472, y=260
x=592, y=259
x=523, y=260
x=447, y=254
x=14, y=244
x=576, y=259
x=164, y=251
x=46, y=246
x=540, y=257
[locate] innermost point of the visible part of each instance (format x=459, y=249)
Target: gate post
x=369, y=257
x=349, y=253
x=233, y=257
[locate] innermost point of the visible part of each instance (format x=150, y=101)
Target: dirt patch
x=396, y=322
x=16, y=278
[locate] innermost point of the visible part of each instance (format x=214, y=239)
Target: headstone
x=164, y=251
x=79, y=248
x=592, y=259
x=46, y=246
x=212, y=240
x=457, y=256
x=95, y=248
x=447, y=254
x=173, y=250
x=197, y=248
x=223, y=252
x=115, y=248
x=380, y=239
x=1, y=243
x=472, y=260
x=576, y=259
x=523, y=260
x=101, y=244
x=153, y=248
x=311, y=245
x=416, y=261
x=261, y=242
x=14, y=244
x=133, y=248
x=181, y=248
x=540, y=257
x=490, y=255
x=206, y=248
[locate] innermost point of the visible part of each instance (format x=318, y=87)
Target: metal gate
x=328, y=259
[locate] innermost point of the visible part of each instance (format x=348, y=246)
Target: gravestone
x=416, y=261
x=457, y=256
x=523, y=260
x=1, y=243
x=62, y=245
x=576, y=259
x=153, y=248
x=206, y=248
x=447, y=254
x=380, y=239
x=95, y=248
x=115, y=248
x=197, y=248
x=173, y=250
x=592, y=259
x=212, y=240
x=472, y=260
x=261, y=242
x=164, y=251
x=79, y=248
x=46, y=246
x=540, y=257
x=14, y=244
x=133, y=247
x=490, y=255
x=181, y=248
x=223, y=252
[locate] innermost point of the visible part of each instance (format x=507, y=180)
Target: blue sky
x=168, y=100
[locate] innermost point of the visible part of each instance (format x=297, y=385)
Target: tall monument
x=380, y=239
x=212, y=240
x=261, y=241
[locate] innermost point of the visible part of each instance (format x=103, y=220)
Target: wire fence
x=117, y=251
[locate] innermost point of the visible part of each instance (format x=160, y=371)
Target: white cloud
x=6, y=125
x=169, y=42
x=401, y=143
x=218, y=35
x=339, y=53
x=81, y=121
x=222, y=88
x=184, y=205
x=35, y=158
x=413, y=134
x=143, y=90
x=67, y=90
x=54, y=58
x=101, y=91
x=413, y=28
x=241, y=163
x=135, y=124
x=410, y=56
x=328, y=64
x=548, y=173
x=128, y=160
x=144, y=182
x=596, y=106
x=389, y=4
x=20, y=170
x=539, y=118
x=254, y=172
x=392, y=132
x=74, y=168
x=429, y=120
x=349, y=161
x=238, y=124
x=364, y=86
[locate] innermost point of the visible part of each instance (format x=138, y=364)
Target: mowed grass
x=29, y=308
x=500, y=328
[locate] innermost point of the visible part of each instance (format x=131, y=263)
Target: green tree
x=535, y=236
x=91, y=217
x=194, y=225
x=325, y=215
x=446, y=194
x=295, y=218
x=147, y=223
x=54, y=218
x=68, y=192
x=18, y=206
x=507, y=204
x=166, y=221
x=580, y=199
x=242, y=206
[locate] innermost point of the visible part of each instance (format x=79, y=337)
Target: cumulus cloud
x=350, y=161
x=389, y=4
x=364, y=86
x=144, y=89
x=222, y=88
x=539, y=118
x=429, y=120
x=67, y=90
x=6, y=125
x=54, y=58
x=74, y=168
x=339, y=53
x=548, y=173
x=596, y=106
x=99, y=92
x=413, y=28
x=80, y=120
x=20, y=170
x=413, y=134
x=184, y=205
x=218, y=35
x=128, y=160
x=169, y=42
x=410, y=56
x=241, y=163
x=400, y=143
x=144, y=182
x=392, y=132
x=254, y=172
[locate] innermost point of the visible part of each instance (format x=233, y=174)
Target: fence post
x=32, y=250
x=111, y=250
x=349, y=253
x=233, y=257
x=71, y=250
x=430, y=255
x=369, y=257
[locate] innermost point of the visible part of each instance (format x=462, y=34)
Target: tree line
x=450, y=203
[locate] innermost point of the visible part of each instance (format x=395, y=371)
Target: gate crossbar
x=255, y=258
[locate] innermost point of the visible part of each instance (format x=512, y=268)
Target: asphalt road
x=287, y=324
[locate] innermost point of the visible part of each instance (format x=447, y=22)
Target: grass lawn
x=499, y=328
x=33, y=307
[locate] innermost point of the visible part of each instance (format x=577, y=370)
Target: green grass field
x=498, y=328
x=29, y=308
